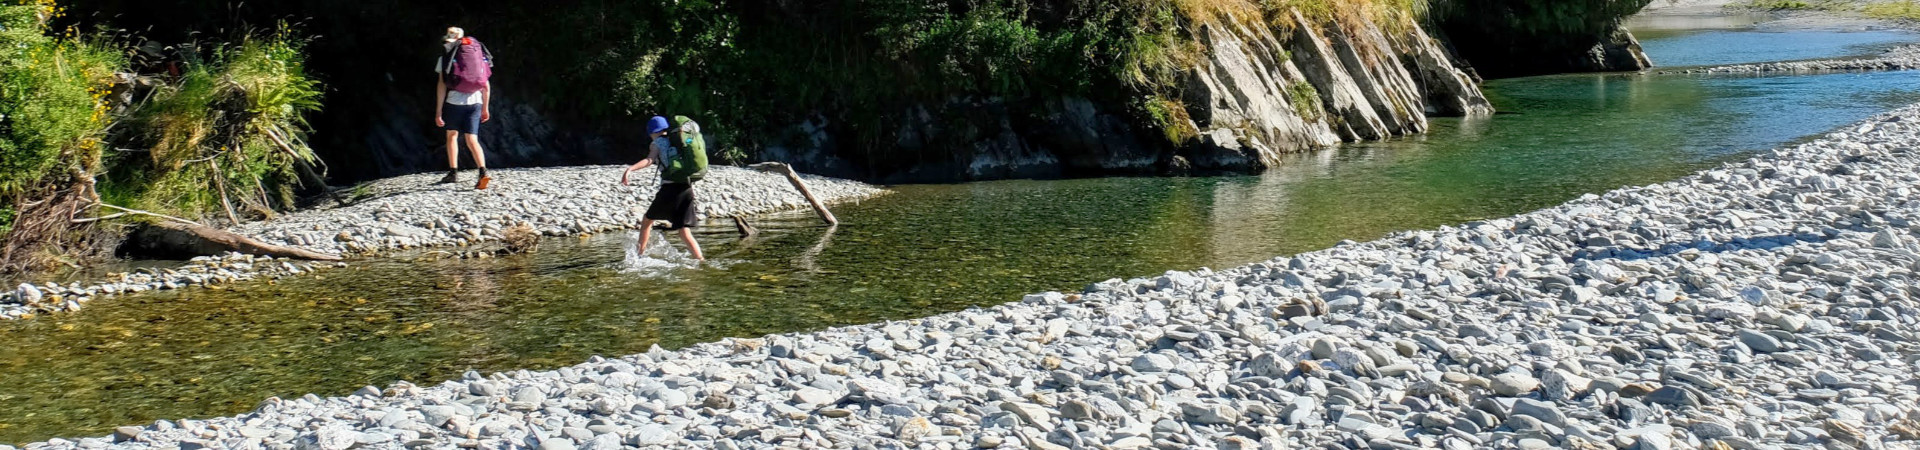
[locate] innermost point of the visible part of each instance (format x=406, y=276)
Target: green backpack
x=690, y=163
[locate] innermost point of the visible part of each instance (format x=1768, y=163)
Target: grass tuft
x=1894, y=10
x=228, y=132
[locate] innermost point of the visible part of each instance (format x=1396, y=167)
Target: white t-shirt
x=455, y=97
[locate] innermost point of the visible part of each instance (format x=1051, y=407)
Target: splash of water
x=661, y=258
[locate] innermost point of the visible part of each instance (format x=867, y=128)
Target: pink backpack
x=469, y=65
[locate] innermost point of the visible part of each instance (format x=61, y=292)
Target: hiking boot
x=453, y=176
x=484, y=179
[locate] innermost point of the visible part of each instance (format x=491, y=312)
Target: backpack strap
x=485, y=51
x=446, y=61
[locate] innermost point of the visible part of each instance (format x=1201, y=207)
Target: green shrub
x=1305, y=100
x=233, y=123
x=51, y=111
x=1171, y=117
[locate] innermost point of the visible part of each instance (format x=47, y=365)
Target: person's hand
x=439, y=122
x=486, y=114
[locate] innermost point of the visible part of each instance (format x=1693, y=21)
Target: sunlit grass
x=1897, y=10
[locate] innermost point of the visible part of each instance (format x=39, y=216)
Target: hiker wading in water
x=465, y=97
x=681, y=154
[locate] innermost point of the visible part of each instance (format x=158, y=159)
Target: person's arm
x=652, y=154
x=486, y=103
x=440, y=99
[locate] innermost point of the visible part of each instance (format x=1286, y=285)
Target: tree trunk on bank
x=171, y=238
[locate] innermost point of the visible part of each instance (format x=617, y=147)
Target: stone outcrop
x=1616, y=52
x=1260, y=95
x=1260, y=92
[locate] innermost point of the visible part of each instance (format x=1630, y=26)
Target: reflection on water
x=923, y=250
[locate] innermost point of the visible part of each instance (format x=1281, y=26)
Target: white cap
x=455, y=33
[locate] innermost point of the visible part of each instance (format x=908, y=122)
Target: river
x=920, y=251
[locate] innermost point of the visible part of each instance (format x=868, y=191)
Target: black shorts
x=674, y=204
x=461, y=118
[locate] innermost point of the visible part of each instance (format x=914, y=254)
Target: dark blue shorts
x=461, y=118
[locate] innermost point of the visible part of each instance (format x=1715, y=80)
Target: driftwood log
x=172, y=236
x=203, y=240
x=792, y=177
x=746, y=229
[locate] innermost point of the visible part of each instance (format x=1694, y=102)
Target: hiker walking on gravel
x=465, y=97
x=681, y=154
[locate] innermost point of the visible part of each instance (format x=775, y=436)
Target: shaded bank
x=1512, y=38
x=889, y=90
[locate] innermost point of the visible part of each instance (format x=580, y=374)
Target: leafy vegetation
x=51, y=107
x=228, y=133
x=1897, y=10
x=53, y=119
x=230, y=124
x=1305, y=99
x=866, y=62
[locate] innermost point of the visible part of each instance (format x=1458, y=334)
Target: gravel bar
x=29, y=300
x=411, y=211
x=1764, y=304
x=1905, y=57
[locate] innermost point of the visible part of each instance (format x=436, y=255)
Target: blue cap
x=657, y=124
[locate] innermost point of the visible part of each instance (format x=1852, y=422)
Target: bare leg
x=453, y=150
x=473, y=145
x=646, y=236
x=693, y=246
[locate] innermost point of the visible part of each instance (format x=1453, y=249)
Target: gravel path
x=1905, y=57
x=1764, y=304
x=410, y=211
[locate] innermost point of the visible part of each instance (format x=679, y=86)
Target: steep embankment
x=892, y=91
x=1264, y=91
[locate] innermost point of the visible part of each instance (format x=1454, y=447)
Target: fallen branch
x=234, y=242
x=746, y=229
x=300, y=165
x=97, y=219
x=225, y=240
x=146, y=213
x=794, y=178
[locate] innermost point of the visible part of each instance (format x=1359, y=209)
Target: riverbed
x=919, y=251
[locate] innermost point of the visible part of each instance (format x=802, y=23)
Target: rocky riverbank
x=1765, y=304
x=28, y=299
x=1905, y=57
x=411, y=212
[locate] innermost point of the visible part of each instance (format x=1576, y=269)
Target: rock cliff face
x=1264, y=93
x=1260, y=92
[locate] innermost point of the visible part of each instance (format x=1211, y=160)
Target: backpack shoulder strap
x=446, y=61
x=485, y=51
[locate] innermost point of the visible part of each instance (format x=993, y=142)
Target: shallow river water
x=920, y=251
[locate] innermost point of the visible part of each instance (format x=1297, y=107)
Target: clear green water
x=920, y=251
